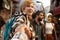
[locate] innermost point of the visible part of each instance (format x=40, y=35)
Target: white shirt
x=49, y=28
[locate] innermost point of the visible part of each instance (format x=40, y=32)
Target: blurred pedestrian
x=38, y=24
x=57, y=26
x=4, y=16
x=50, y=32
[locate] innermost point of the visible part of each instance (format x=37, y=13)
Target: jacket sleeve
x=19, y=20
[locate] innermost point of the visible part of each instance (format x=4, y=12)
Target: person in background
x=56, y=20
x=5, y=13
x=9, y=23
x=38, y=24
x=50, y=32
x=4, y=16
x=2, y=22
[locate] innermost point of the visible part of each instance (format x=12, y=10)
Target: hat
x=49, y=14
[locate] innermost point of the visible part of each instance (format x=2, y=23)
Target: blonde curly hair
x=25, y=4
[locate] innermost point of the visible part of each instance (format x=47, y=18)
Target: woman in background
x=4, y=16
x=50, y=28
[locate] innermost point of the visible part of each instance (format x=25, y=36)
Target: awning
x=56, y=11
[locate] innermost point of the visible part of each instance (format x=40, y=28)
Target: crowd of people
x=25, y=24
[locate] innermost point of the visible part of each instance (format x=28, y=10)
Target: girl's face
x=29, y=9
x=5, y=15
x=49, y=19
x=41, y=15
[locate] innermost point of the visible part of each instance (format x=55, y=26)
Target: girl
x=49, y=28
